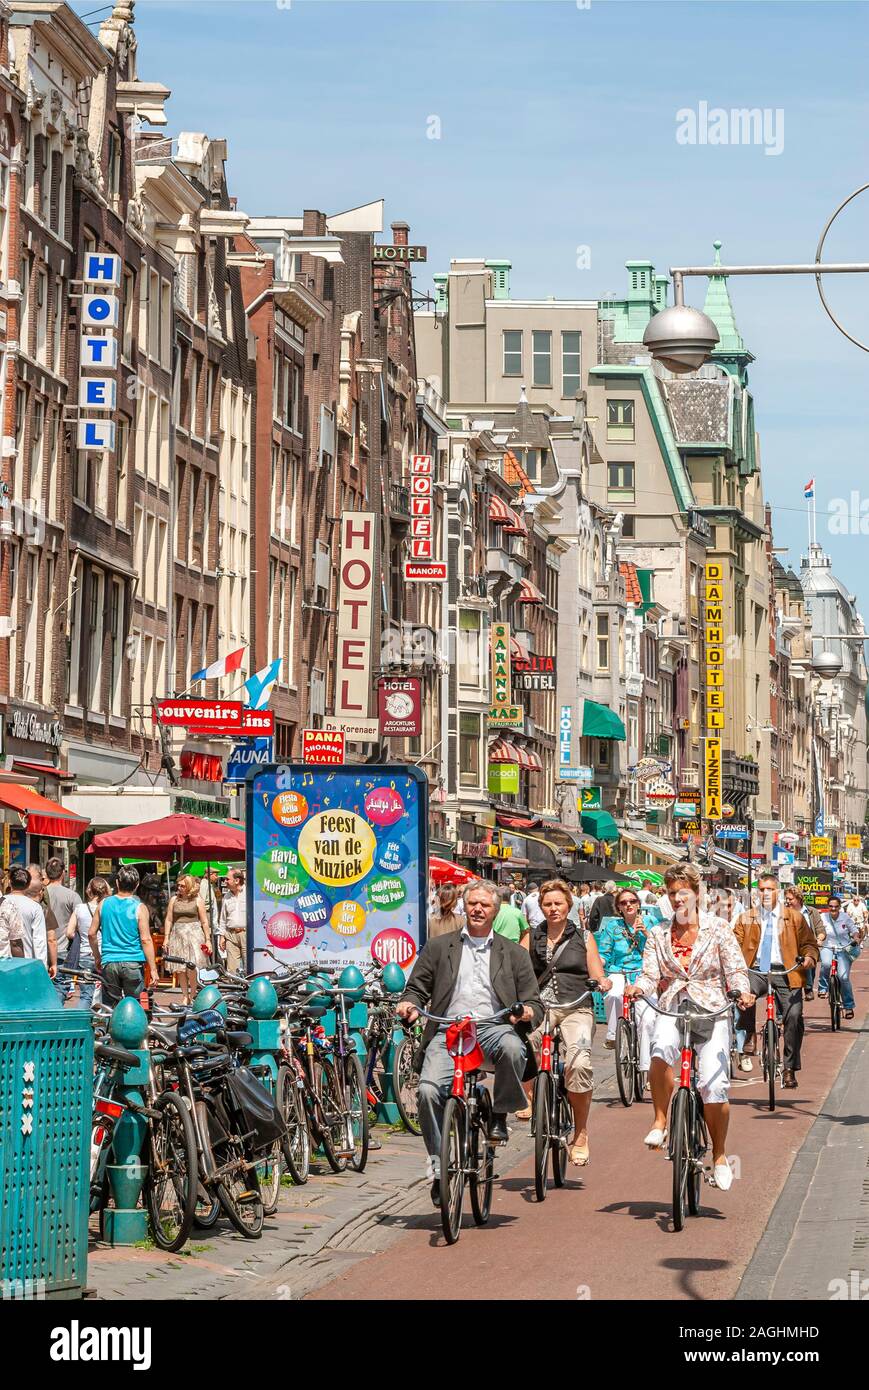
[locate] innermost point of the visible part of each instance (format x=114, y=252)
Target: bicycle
x=466, y=1150
x=551, y=1115
x=771, y=1058
x=689, y=1137
x=630, y=1079
x=378, y=1038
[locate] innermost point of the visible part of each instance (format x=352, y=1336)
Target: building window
x=620, y=420
x=4, y=202
x=470, y=648
x=629, y=529
x=603, y=641
x=571, y=377
x=603, y=753
x=117, y=630
x=129, y=291
x=95, y=641
x=114, y=164
x=469, y=750
x=620, y=482
x=541, y=348
x=512, y=352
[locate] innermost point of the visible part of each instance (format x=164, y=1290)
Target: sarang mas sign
x=337, y=867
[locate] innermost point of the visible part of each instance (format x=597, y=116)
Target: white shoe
x=610, y=1043
x=655, y=1138
x=723, y=1176
x=745, y=1064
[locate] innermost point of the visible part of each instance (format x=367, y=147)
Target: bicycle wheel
x=561, y=1125
x=358, y=1123
x=172, y=1181
x=239, y=1191
x=207, y=1211
x=699, y=1143
x=541, y=1107
x=297, y=1145
x=624, y=1062
x=680, y=1153
x=482, y=1160
x=770, y=1058
x=331, y=1106
x=269, y=1169
x=405, y=1086
x=835, y=1004
x=452, y=1179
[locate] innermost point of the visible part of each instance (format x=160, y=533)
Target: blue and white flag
x=258, y=687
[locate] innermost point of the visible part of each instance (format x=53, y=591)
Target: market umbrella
x=188, y=837
x=442, y=871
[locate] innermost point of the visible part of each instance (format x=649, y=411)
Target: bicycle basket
x=257, y=1112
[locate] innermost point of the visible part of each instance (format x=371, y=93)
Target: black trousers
x=790, y=1003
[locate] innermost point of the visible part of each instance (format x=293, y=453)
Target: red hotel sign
x=203, y=716
x=422, y=563
x=355, y=613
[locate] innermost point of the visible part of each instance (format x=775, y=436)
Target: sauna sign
x=337, y=865
x=98, y=355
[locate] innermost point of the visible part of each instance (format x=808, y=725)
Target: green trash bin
x=46, y=1097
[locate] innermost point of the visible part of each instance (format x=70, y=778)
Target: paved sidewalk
x=318, y=1231
x=816, y=1245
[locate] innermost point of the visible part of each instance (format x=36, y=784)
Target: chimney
x=399, y=233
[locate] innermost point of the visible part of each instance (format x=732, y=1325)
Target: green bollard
x=387, y=1110
x=264, y=1028
x=126, y=1223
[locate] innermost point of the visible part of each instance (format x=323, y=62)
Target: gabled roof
x=719, y=308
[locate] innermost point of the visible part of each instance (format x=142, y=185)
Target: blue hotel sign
x=100, y=312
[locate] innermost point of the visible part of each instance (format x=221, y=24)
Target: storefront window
x=469, y=750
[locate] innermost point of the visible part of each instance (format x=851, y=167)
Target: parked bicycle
x=689, y=1137
x=551, y=1115
x=467, y=1153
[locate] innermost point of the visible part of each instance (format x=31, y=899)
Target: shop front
x=36, y=827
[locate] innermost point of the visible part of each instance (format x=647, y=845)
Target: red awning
x=44, y=769
x=502, y=751
x=499, y=512
x=529, y=593
x=517, y=525
x=507, y=822
x=40, y=815
x=518, y=650
x=534, y=761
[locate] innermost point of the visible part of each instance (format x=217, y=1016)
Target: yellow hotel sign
x=713, y=620
x=820, y=846
x=712, y=779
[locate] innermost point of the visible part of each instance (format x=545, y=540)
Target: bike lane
x=608, y=1234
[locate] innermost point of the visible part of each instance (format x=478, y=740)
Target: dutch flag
x=809, y=489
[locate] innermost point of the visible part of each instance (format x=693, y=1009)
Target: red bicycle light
x=110, y=1108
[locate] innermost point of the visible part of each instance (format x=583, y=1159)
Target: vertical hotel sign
x=713, y=616
x=422, y=565
x=355, y=614
x=99, y=352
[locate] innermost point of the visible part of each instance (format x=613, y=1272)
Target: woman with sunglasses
x=621, y=942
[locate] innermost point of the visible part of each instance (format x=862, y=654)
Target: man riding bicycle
x=472, y=973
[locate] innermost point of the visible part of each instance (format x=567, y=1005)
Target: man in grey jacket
x=472, y=973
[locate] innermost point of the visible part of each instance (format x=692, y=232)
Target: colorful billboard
x=337, y=864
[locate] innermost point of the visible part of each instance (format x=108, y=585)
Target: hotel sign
x=712, y=783
x=100, y=314
x=400, y=253
x=355, y=614
x=534, y=672
x=713, y=617
x=422, y=564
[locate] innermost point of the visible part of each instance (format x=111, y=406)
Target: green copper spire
x=720, y=310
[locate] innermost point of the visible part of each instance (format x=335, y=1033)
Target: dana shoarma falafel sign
x=337, y=864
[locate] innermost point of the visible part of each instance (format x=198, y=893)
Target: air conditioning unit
x=322, y=570
x=317, y=704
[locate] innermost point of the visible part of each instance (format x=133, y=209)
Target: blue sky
x=558, y=130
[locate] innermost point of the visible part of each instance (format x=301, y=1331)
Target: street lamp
x=682, y=338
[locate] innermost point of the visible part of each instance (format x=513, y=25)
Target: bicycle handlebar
x=574, y=1003
x=686, y=1013
x=436, y=1018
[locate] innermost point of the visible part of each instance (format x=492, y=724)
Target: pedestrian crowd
x=112, y=930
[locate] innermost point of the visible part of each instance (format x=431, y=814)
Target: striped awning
x=518, y=650
x=500, y=513
x=502, y=751
x=529, y=593
x=517, y=525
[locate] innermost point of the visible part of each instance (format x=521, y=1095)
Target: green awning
x=598, y=721
x=600, y=824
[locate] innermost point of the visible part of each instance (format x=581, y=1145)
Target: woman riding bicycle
x=689, y=962
x=567, y=963
x=621, y=942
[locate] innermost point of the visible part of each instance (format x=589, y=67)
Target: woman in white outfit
x=691, y=961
